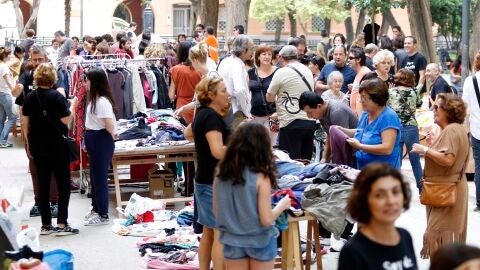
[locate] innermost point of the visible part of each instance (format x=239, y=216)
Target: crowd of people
x=240, y=105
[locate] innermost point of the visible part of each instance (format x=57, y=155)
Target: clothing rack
x=107, y=60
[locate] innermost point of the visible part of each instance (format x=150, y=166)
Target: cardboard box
x=161, y=183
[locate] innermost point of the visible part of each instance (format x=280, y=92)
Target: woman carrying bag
x=445, y=161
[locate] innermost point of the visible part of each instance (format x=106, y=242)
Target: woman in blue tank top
x=242, y=200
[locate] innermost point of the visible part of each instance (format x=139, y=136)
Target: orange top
x=185, y=79
x=212, y=43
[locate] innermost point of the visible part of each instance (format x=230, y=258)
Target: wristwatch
x=425, y=150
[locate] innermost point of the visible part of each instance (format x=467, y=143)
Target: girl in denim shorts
x=242, y=200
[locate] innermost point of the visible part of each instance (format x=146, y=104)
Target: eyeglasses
x=352, y=57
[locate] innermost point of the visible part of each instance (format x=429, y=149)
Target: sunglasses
x=352, y=57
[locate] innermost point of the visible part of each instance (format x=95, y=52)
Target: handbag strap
x=45, y=114
x=303, y=77
x=475, y=85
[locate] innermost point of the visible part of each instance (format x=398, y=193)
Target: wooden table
x=144, y=156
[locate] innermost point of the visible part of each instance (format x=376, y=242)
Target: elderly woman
x=335, y=82
x=382, y=61
x=445, y=160
x=378, y=198
x=46, y=115
x=357, y=58
x=377, y=137
x=404, y=100
x=260, y=77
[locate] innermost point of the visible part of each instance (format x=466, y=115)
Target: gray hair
x=36, y=49
x=240, y=45
x=371, y=48
x=334, y=75
x=384, y=55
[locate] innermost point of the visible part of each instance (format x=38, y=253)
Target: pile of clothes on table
x=156, y=127
x=322, y=189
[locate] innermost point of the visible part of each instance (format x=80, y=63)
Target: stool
x=291, y=244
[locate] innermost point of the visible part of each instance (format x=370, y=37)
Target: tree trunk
x=421, y=27
x=360, y=23
x=194, y=11
x=389, y=19
x=278, y=30
x=349, y=29
x=237, y=13
x=68, y=12
x=19, y=17
x=293, y=22
x=209, y=14
x=475, y=35
x=33, y=16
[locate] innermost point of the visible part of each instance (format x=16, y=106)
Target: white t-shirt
x=287, y=86
x=470, y=98
x=3, y=84
x=103, y=109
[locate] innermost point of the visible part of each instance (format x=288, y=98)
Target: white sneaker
x=89, y=215
x=96, y=220
x=338, y=245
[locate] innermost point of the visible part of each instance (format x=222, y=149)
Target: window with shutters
x=270, y=25
x=318, y=24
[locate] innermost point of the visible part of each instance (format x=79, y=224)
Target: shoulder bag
x=440, y=194
x=303, y=77
x=73, y=149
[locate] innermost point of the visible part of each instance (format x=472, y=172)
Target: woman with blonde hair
x=445, y=159
x=45, y=118
x=210, y=135
x=382, y=61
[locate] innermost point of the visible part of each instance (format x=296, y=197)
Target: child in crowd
x=243, y=190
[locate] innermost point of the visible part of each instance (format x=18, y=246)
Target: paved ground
x=100, y=248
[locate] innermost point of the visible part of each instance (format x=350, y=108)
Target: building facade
x=164, y=17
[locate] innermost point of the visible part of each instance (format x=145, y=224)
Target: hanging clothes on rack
x=138, y=97
x=116, y=80
x=163, y=101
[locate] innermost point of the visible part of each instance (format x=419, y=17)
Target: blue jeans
x=100, y=147
x=409, y=137
x=476, y=157
x=6, y=111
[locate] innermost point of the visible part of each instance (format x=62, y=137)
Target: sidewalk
x=100, y=248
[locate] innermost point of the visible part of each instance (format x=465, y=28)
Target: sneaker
x=35, y=211
x=4, y=145
x=477, y=209
x=67, y=230
x=338, y=245
x=90, y=215
x=47, y=229
x=54, y=210
x=96, y=220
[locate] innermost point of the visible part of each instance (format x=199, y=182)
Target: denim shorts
x=204, y=200
x=264, y=254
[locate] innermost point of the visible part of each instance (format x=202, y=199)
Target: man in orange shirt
x=212, y=43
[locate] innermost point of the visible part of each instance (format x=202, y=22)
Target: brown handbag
x=440, y=194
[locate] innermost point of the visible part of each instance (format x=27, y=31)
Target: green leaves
x=266, y=10
x=377, y=6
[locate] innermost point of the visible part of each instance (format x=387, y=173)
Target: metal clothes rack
x=103, y=60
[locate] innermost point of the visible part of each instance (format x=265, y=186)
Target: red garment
x=79, y=90
x=121, y=53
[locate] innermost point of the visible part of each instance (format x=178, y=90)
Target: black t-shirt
x=439, y=86
x=415, y=63
x=206, y=120
x=26, y=79
x=362, y=253
x=44, y=138
x=259, y=86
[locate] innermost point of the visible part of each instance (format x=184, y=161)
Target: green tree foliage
x=448, y=15
x=377, y=6
x=267, y=10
